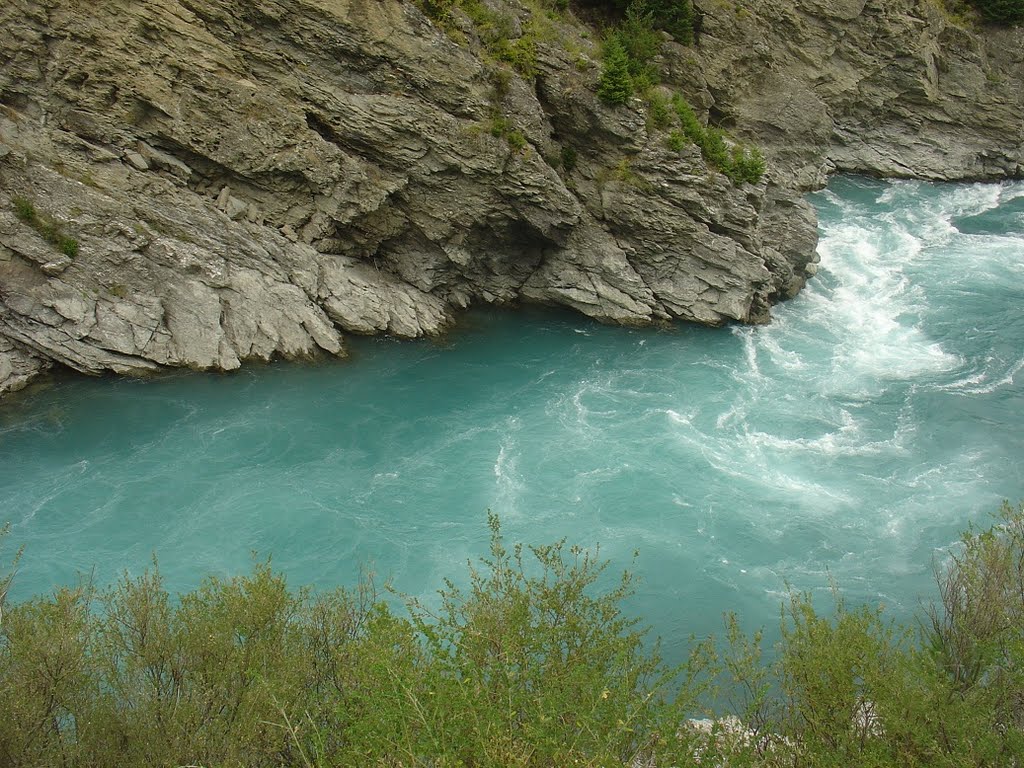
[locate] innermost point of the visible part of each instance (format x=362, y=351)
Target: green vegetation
x=439, y=10
x=529, y=664
x=659, y=112
x=739, y=163
x=497, y=29
x=47, y=228
x=525, y=666
x=676, y=17
x=641, y=43
x=627, y=69
x=24, y=210
x=568, y=158
x=616, y=85
x=626, y=57
x=501, y=127
x=1002, y=12
x=516, y=140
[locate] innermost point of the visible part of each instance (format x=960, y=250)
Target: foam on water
x=850, y=440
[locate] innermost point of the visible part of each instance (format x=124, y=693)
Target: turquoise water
x=852, y=438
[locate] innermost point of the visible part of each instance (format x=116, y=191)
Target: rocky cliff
x=201, y=182
x=896, y=88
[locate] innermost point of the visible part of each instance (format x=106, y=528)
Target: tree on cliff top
x=1003, y=12
x=677, y=17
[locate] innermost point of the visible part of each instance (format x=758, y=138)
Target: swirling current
x=848, y=442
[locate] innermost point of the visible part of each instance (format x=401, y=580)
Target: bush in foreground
x=528, y=665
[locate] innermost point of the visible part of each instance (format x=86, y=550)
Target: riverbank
x=309, y=171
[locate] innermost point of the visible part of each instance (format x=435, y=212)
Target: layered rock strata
x=248, y=180
x=895, y=88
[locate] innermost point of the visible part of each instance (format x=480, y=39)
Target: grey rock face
x=18, y=366
x=248, y=180
x=896, y=88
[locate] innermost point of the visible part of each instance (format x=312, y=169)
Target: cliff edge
x=202, y=182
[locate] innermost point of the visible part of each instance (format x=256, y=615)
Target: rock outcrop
x=248, y=180
x=895, y=88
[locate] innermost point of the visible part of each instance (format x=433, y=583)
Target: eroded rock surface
x=247, y=180
x=896, y=88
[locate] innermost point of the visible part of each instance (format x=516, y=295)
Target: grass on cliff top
x=532, y=663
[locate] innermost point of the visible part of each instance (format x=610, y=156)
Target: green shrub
x=24, y=210
x=853, y=688
x=746, y=165
x=500, y=126
x=439, y=10
x=543, y=667
x=501, y=81
x=626, y=57
x=658, y=112
x=521, y=54
x=531, y=663
x=978, y=635
x=677, y=17
x=68, y=246
x=516, y=140
x=1002, y=12
x=692, y=128
x=8, y=577
x=616, y=85
x=568, y=158
x=712, y=146
x=47, y=228
x=739, y=164
x=48, y=679
x=676, y=141
x=641, y=43
x=496, y=30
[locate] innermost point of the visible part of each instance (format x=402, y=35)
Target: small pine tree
x=615, y=86
x=642, y=43
x=674, y=16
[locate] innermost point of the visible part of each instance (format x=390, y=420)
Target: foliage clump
x=504, y=39
x=855, y=688
x=677, y=17
x=48, y=229
x=741, y=164
x=1002, y=12
x=439, y=10
x=568, y=158
x=626, y=57
x=531, y=663
x=615, y=86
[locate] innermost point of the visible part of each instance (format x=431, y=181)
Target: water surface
x=851, y=439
